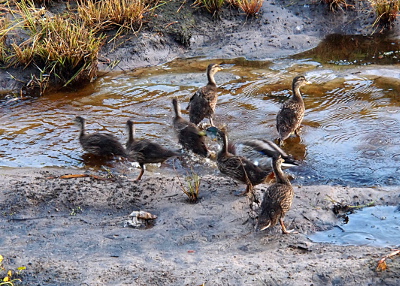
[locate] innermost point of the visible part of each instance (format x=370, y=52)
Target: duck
x=236, y=167
x=99, y=144
x=277, y=199
x=203, y=102
x=291, y=114
x=261, y=152
x=189, y=135
x=144, y=151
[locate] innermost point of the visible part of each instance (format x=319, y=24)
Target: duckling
x=291, y=114
x=190, y=137
x=99, y=144
x=261, y=152
x=277, y=199
x=236, y=167
x=203, y=101
x=145, y=151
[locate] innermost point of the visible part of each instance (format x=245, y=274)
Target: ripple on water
x=350, y=125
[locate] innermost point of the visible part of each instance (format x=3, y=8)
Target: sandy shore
x=71, y=232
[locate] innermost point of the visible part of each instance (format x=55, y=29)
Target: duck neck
x=131, y=132
x=280, y=176
x=297, y=92
x=211, y=80
x=224, y=149
x=83, y=131
x=176, y=108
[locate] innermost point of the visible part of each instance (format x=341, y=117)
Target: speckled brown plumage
x=99, y=144
x=145, y=151
x=189, y=136
x=291, y=114
x=277, y=199
x=203, y=102
x=236, y=167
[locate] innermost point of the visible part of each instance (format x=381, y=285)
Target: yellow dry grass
x=386, y=11
x=250, y=7
x=104, y=15
x=61, y=48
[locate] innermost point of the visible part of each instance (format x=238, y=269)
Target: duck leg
x=211, y=121
x=248, y=188
x=141, y=172
x=284, y=230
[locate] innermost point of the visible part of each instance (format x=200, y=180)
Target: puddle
x=349, y=136
x=375, y=226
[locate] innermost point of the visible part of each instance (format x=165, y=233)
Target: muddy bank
x=281, y=29
x=71, y=232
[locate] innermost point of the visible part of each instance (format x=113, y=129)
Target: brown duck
x=236, y=167
x=189, y=135
x=145, y=151
x=277, y=199
x=291, y=114
x=99, y=144
x=203, y=102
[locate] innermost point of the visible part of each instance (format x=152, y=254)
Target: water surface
x=374, y=226
x=350, y=133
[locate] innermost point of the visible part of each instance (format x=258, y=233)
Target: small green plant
x=386, y=11
x=76, y=211
x=7, y=277
x=212, y=6
x=250, y=7
x=192, y=187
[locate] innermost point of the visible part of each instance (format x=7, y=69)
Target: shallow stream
x=350, y=134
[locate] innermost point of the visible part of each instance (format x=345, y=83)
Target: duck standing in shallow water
x=189, y=136
x=291, y=114
x=145, y=151
x=99, y=144
x=236, y=167
x=203, y=102
x=277, y=199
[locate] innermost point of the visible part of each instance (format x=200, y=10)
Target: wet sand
x=71, y=232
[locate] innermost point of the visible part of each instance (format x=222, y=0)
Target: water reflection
x=349, y=136
x=355, y=49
